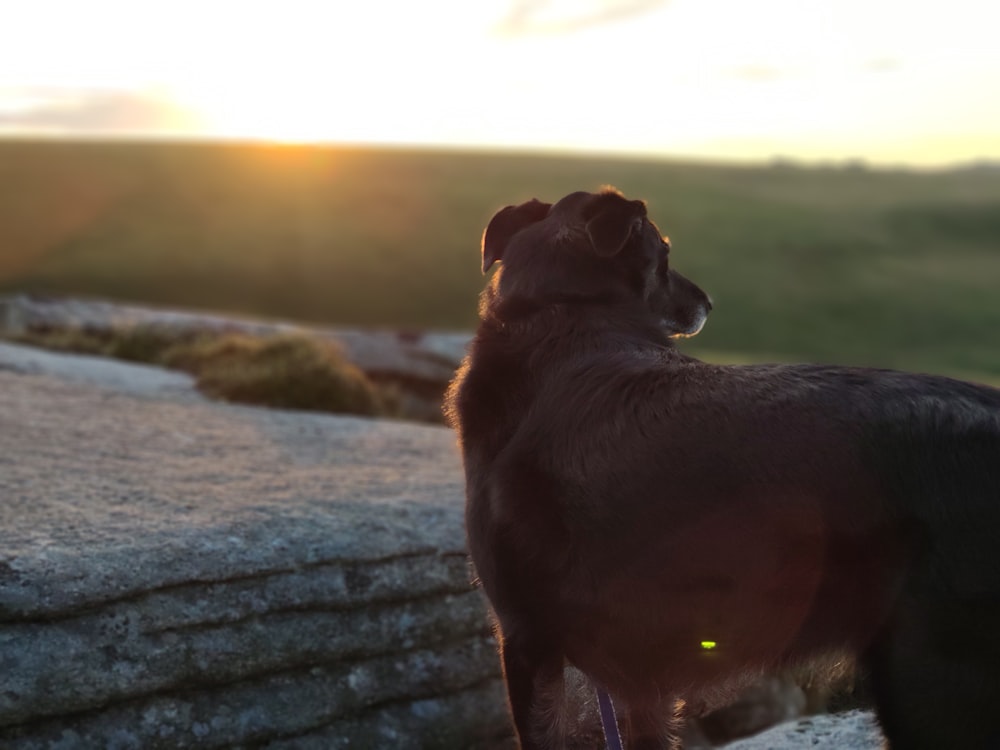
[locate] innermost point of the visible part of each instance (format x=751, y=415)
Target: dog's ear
x=508, y=222
x=611, y=220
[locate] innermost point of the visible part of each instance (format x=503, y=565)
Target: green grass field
x=850, y=265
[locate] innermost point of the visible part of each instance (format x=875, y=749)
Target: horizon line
x=777, y=159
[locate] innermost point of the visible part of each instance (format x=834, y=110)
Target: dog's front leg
x=533, y=671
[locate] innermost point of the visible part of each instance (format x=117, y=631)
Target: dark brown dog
x=627, y=504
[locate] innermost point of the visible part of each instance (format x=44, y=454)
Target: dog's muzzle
x=692, y=330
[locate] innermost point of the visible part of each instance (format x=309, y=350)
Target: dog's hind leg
x=936, y=677
x=533, y=671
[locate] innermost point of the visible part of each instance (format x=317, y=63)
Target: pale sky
x=888, y=81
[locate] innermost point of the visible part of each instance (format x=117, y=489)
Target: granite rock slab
x=181, y=573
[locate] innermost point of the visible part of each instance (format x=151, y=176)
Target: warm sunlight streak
x=890, y=81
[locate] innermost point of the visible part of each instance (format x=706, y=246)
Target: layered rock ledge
x=181, y=573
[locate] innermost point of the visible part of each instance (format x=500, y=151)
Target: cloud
x=92, y=111
x=553, y=17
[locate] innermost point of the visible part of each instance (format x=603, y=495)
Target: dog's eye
x=662, y=268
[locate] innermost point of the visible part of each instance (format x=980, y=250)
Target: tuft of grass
x=73, y=341
x=289, y=371
x=143, y=343
x=148, y=343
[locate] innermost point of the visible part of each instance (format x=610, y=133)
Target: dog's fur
x=627, y=502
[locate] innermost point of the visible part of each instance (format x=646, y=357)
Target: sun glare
x=353, y=72
x=891, y=80
x=247, y=112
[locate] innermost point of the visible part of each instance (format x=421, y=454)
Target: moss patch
x=288, y=371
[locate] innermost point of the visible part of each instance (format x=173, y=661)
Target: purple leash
x=611, y=736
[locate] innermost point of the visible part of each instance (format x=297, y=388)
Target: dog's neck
x=585, y=317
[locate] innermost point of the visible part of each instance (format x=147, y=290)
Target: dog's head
x=587, y=248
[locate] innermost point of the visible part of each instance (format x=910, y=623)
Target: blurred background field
x=885, y=267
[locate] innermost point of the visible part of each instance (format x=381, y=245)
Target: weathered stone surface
x=181, y=573
x=120, y=377
x=855, y=730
